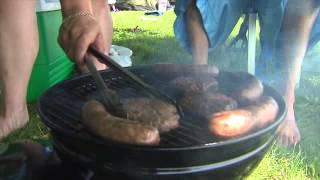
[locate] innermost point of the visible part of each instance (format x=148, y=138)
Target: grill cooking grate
x=63, y=106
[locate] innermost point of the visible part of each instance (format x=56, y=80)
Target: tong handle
x=115, y=66
x=125, y=73
x=132, y=77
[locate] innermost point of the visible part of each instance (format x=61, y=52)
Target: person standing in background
x=201, y=25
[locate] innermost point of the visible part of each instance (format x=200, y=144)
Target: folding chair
x=249, y=25
x=252, y=40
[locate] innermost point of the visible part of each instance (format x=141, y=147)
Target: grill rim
x=169, y=170
x=52, y=125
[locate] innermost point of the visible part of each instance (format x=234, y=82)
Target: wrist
x=289, y=99
x=78, y=14
x=71, y=7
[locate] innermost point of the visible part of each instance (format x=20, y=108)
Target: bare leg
x=197, y=35
x=103, y=15
x=297, y=25
x=18, y=50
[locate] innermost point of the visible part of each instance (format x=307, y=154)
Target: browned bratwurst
x=238, y=122
x=205, y=104
x=101, y=123
x=242, y=86
x=148, y=111
x=152, y=112
x=194, y=84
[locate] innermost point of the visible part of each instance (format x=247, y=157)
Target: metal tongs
x=109, y=98
x=101, y=57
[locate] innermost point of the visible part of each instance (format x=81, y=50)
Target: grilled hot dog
x=238, y=122
x=242, y=86
x=194, y=84
x=205, y=104
x=148, y=111
x=103, y=124
x=264, y=110
x=152, y=112
x=232, y=123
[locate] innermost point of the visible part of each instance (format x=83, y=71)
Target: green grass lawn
x=153, y=42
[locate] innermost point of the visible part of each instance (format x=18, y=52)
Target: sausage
x=232, y=123
x=265, y=110
x=194, y=84
x=148, y=111
x=242, y=86
x=152, y=112
x=205, y=104
x=240, y=121
x=103, y=124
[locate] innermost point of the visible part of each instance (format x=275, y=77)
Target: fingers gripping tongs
x=109, y=98
x=131, y=77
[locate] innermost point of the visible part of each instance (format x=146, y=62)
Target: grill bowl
x=190, y=149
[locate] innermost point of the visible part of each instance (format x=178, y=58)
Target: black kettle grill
x=188, y=152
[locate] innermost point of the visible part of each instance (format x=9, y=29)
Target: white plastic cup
x=121, y=55
x=162, y=5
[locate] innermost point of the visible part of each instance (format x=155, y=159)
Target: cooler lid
x=48, y=5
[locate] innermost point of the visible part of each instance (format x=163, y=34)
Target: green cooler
x=52, y=65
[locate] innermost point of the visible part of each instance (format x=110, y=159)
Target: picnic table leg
x=252, y=42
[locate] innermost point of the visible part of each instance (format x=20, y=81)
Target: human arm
x=198, y=37
x=80, y=29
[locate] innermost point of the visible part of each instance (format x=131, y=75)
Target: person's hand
x=77, y=33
